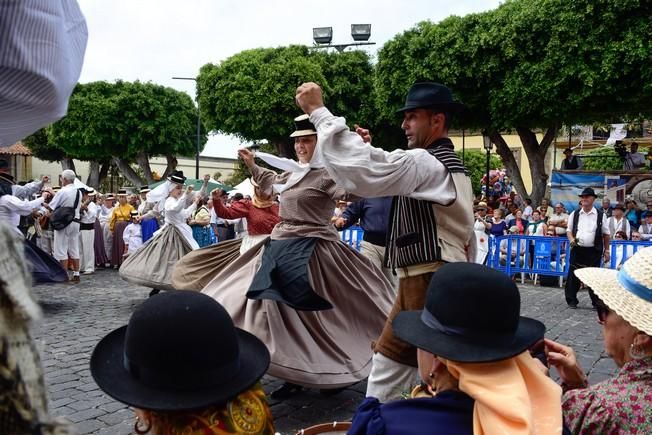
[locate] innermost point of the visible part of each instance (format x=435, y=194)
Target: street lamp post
x=324, y=35
x=198, y=126
x=486, y=141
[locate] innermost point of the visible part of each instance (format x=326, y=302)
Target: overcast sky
x=154, y=40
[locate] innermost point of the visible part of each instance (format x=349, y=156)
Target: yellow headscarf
x=512, y=396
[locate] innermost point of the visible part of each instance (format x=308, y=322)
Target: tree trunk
x=68, y=163
x=143, y=162
x=510, y=163
x=93, y=179
x=127, y=171
x=172, y=165
x=104, y=172
x=536, y=155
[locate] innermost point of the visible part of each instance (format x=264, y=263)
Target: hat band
x=182, y=381
x=633, y=286
x=432, y=322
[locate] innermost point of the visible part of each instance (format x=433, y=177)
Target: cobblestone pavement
x=77, y=316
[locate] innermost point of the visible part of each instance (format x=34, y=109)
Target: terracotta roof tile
x=17, y=149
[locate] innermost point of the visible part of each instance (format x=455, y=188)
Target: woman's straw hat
x=627, y=291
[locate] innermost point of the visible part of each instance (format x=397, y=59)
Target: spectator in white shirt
x=89, y=212
x=559, y=219
x=646, y=227
x=66, y=241
x=618, y=222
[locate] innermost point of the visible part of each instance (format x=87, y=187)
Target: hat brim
x=453, y=107
x=145, y=190
x=299, y=133
x=408, y=327
x=111, y=376
x=604, y=283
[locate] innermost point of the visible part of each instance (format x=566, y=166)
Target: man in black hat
x=588, y=233
x=431, y=222
x=571, y=162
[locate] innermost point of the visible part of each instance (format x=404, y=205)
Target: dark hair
x=237, y=197
x=621, y=234
x=528, y=201
x=448, y=118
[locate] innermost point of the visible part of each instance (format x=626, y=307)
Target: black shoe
x=286, y=391
x=154, y=291
x=572, y=306
x=331, y=391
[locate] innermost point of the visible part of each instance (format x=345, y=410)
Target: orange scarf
x=511, y=396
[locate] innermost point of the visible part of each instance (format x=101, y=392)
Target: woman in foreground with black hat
x=473, y=359
x=186, y=369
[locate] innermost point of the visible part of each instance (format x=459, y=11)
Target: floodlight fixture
x=360, y=32
x=322, y=35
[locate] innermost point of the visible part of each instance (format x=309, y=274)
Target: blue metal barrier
x=540, y=255
x=545, y=256
x=621, y=250
x=352, y=236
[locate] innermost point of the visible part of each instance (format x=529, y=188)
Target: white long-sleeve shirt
x=12, y=208
x=42, y=49
x=133, y=237
x=368, y=172
x=89, y=216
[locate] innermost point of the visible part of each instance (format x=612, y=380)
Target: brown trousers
x=411, y=296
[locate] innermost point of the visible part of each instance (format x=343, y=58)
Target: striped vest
x=424, y=232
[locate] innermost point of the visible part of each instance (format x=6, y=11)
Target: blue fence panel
x=621, y=250
x=352, y=236
x=548, y=256
x=529, y=254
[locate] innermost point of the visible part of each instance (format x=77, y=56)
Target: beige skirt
x=320, y=349
x=199, y=267
x=152, y=264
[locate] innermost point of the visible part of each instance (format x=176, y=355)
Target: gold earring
x=142, y=430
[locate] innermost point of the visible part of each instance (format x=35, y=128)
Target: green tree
x=127, y=123
x=604, y=159
x=251, y=94
x=475, y=163
x=529, y=66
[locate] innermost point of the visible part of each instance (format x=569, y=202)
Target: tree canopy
x=251, y=94
x=127, y=123
x=529, y=66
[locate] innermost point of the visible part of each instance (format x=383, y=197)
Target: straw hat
x=628, y=291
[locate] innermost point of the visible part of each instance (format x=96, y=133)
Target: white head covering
x=298, y=169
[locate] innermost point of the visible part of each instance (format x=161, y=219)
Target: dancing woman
x=199, y=267
x=152, y=264
x=316, y=303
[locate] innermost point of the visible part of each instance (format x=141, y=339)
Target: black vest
x=412, y=236
x=572, y=164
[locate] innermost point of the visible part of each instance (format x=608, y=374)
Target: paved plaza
x=77, y=316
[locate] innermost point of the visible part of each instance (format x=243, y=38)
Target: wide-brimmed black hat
x=177, y=177
x=588, y=191
x=471, y=314
x=431, y=95
x=7, y=178
x=180, y=351
x=303, y=126
x=144, y=189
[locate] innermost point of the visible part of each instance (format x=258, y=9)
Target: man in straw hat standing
x=588, y=233
x=431, y=222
